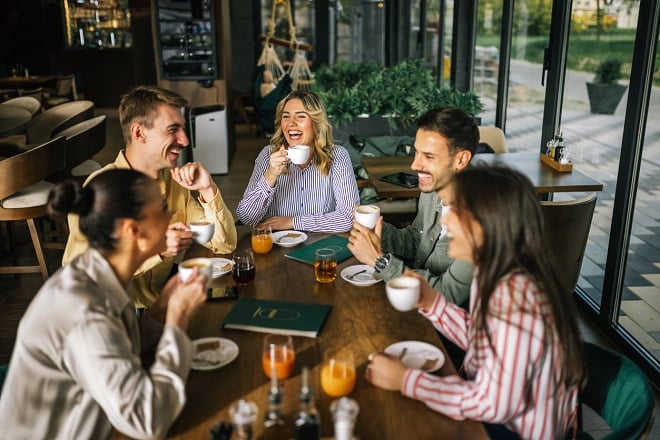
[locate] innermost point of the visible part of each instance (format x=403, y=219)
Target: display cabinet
x=185, y=39
x=98, y=23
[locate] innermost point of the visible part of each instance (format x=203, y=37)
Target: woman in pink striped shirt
x=523, y=362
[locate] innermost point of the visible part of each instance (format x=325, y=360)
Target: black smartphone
x=221, y=293
x=404, y=179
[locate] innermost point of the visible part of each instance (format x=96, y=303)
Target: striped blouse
x=317, y=203
x=516, y=384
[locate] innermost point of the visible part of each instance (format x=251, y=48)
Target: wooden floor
x=16, y=291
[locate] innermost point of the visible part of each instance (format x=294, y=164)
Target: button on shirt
x=316, y=203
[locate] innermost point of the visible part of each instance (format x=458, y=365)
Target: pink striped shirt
x=514, y=385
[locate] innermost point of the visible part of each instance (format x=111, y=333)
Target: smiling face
x=162, y=143
x=465, y=235
x=297, y=126
x=433, y=162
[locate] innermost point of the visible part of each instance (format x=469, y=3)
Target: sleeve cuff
x=393, y=270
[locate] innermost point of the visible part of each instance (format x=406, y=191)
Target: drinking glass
x=325, y=265
x=243, y=271
x=278, y=355
x=338, y=372
x=262, y=239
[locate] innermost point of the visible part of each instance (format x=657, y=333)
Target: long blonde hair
x=323, y=148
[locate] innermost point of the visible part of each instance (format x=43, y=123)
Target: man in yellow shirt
x=153, y=128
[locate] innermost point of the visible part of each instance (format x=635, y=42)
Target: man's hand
x=179, y=237
x=194, y=177
x=277, y=223
x=365, y=243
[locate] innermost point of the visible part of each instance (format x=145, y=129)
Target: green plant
x=404, y=91
x=608, y=72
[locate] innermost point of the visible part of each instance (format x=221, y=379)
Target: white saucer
x=366, y=278
x=226, y=351
x=220, y=267
x=417, y=354
x=289, y=238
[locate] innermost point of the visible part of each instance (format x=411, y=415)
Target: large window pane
x=361, y=31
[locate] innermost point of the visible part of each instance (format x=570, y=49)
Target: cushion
x=86, y=168
x=28, y=197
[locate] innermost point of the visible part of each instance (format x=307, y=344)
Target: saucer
x=418, y=355
x=289, y=238
x=221, y=266
x=215, y=353
x=366, y=278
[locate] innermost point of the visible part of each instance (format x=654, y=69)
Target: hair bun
x=70, y=197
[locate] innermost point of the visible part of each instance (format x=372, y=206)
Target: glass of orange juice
x=278, y=355
x=338, y=372
x=262, y=239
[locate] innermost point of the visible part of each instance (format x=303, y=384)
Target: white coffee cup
x=202, y=230
x=203, y=265
x=403, y=293
x=367, y=215
x=298, y=154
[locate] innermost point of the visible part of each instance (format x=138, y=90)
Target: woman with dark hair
x=318, y=195
x=523, y=364
x=76, y=371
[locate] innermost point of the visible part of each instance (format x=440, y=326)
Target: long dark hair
x=111, y=195
x=505, y=204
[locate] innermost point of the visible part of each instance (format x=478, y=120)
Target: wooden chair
x=24, y=193
x=494, y=137
x=619, y=392
x=83, y=141
x=25, y=102
x=64, y=91
x=568, y=224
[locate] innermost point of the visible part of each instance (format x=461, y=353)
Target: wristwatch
x=381, y=262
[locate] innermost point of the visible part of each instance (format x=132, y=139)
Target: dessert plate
x=212, y=353
x=360, y=275
x=221, y=266
x=289, y=238
x=418, y=355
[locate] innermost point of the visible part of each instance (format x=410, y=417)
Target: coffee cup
x=203, y=266
x=367, y=215
x=403, y=293
x=202, y=230
x=298, y=154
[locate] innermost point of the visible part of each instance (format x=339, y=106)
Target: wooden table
x=545, y=179
x=22, y=82
x=361, y=318
x=12, y=119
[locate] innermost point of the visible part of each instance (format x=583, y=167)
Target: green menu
x=284, y=317
x=336, y=242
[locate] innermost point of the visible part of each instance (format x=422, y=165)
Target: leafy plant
x=608, y=72
x=404, y=91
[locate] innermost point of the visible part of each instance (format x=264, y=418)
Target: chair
x=24, y=193
x=494, y=137
x=619, y=392
x=568, y=224
x=25, y=102
x=83, y=141
x=65, y=91
x=35, y=93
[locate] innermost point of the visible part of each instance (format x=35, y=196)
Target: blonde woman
x=318, y=195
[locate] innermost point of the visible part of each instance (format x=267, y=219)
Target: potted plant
x=605, y=92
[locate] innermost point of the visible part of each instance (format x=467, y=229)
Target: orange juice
x=262, y=243
x=337, y=378
x=283, y=359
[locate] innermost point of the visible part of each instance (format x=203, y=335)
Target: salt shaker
x=344, y=412
x=243, y=415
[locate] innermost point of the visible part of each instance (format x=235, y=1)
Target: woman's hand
x=277, y=223
x=278, y=164
x=427, y=294
x=184, y=298
x=385, y=371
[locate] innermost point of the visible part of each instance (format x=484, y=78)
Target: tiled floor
x=16, y=291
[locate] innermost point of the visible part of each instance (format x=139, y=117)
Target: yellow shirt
x=150, y=278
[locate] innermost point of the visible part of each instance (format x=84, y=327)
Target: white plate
x=289, y=238
x=364, y=279
x=417, y=354
x=220, y=267
x=226, y=351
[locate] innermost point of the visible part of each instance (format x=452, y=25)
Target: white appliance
x=209, y=142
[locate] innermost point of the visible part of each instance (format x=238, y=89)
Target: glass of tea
x=338, y=372
x=325, y=265
x=278, y=356
x=243, y=271
x=262, y=239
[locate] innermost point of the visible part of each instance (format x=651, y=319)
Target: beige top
x=76, y=370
